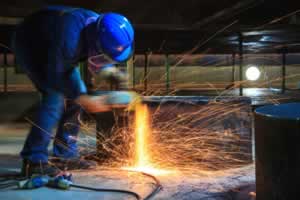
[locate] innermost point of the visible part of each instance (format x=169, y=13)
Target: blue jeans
x=53, y=110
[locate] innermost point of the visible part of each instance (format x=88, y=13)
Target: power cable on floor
x=137, y=196
x=10, y=180
x=158, y=186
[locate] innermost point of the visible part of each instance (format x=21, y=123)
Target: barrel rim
x=259, y=112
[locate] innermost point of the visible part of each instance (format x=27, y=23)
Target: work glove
x=123, y=99
x=109, y=100
x=115, y=76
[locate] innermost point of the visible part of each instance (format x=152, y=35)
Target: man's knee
x=53, y=102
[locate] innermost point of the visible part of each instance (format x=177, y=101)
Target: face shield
x=99, y=62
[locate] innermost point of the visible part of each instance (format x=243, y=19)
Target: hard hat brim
x=125, y=55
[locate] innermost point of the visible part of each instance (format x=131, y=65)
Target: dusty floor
x=236, y=184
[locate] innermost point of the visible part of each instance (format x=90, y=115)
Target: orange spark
x=142, y=158
x=142, y=131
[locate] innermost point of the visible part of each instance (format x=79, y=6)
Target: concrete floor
x=231, y=184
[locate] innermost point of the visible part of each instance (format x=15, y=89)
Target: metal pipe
x=237, y=8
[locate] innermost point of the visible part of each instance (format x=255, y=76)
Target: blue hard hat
x=116, y=36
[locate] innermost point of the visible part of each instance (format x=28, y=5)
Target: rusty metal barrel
x=277, y=136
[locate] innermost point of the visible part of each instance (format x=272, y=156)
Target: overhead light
x=265, y=39
x=252, y=73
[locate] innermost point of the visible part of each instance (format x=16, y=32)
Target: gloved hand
x=93, y=104
x=109, y=100
x=123, y=99
x=115, y=76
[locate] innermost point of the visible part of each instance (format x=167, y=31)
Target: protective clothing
x=48, y=46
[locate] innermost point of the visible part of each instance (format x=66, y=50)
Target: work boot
x=29, y=168
x=72, y=163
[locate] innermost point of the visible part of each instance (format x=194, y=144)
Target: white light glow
x=252, y=73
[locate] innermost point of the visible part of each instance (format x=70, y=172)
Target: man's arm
x=74, y=88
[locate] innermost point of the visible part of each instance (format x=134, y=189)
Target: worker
x=48, y=46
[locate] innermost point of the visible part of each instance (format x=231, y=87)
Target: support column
x=233, y=68
x=5, y=79
x=146, y=72
x=133, y=72
x=283, y=73
x=167, y=74
x=241, y=63
x=130, y=71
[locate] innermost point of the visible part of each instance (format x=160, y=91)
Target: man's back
x=51, y=35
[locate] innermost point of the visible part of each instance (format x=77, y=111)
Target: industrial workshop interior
x=142, y=100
